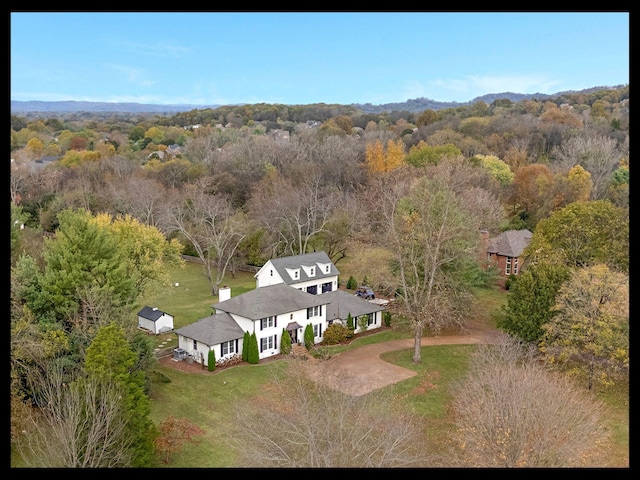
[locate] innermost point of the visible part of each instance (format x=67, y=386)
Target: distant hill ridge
x=412, y=105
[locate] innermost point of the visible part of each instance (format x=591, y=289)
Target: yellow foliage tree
x=35, y=148
x=581, y=184
x=149, y=253
x=378, y=159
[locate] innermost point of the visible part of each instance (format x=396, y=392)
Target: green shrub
x=362, y=323
x=245, y=347
x=386, y=318
x=253, y=355
x=308, y=337
x=351, y=283
x=321, y=353
x=285, y=342
x=350, y=322
x=335, y=333
x=212, y=361
x=158, y=377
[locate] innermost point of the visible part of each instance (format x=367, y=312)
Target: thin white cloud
x=133, y=75
x=156, y=49
x=474, y=85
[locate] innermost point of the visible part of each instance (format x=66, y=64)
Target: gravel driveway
x=361, y=370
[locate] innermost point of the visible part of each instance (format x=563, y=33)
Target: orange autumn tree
x=173, y=434
x=378, y=159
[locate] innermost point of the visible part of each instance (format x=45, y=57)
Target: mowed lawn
x=209, y=401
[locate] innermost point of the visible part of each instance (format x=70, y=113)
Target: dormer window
x=294, y=273
x=313, y=271
x=271, y=271
x=327, y=269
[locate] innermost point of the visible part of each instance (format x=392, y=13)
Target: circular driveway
x=361, y=370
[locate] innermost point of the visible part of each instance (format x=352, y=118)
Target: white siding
x=267, y=275
x=165, y=320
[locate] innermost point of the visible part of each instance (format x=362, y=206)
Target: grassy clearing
x=208, y=400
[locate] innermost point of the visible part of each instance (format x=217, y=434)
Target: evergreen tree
x=285, y=342
x=350, y=325
x=211, y=361
x=111, y=359
x=245, y=347
x=530, y=301
x=82, y=256
x=308, y=336
x=253, y=356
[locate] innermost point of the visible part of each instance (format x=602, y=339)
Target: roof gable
x=510, y=243
x=213, y=330
x=342, y=304
x=269, y=301
x=311, y=266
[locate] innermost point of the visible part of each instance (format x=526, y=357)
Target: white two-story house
x=312, y=273
x=283, y=304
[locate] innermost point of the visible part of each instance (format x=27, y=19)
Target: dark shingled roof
x=151, y=314
x=510, y=243
x=343, y=303
x=308, y=260
x=271, y=300
x=213, y=330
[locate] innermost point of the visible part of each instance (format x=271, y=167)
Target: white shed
x=154, y=320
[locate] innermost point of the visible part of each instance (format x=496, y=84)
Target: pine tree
x=245, y=347
x=308, y=337
x=111, y=359
x=211, y=361
x=350, y=322
x=253, y=356
x=285, y=342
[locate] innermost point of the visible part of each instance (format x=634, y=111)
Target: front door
x=294, y=335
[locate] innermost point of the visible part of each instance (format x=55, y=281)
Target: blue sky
x=221, y=58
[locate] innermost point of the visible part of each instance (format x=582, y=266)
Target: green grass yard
x=208, y=400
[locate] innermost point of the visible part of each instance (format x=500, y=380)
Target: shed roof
x=151, y=313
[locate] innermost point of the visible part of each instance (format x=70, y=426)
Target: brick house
x=505, y=250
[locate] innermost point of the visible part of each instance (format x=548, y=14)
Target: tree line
x=93, y=231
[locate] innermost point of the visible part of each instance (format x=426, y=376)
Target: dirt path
x=361, y=370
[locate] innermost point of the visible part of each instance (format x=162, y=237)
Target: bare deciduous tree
x=81, y=426
x=140, y=197
x=598, y=155
x=431, y=236
x=296, y=422
x=293, y=214
x=511, y=412
x=208, y=223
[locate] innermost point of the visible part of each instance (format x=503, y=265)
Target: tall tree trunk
x=417, y=343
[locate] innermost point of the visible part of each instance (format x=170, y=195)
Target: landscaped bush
x=228, y=361
x=352, y=284
x=245, y=347
x=253, y=355
x=285, y=343
x=308, y=337
x=335, y=333
x=386, y=318
x=362, y=323
x=211, y=366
